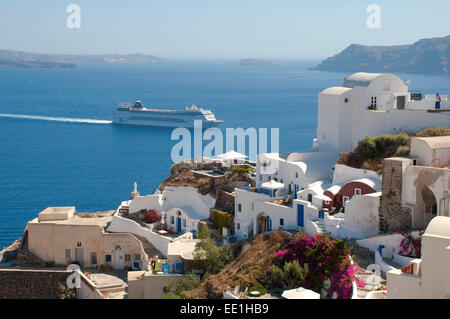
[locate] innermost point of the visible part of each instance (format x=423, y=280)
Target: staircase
x=363, y=257
x=149, y=249
x=320, y=226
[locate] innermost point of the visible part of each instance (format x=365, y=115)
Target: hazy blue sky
x=216, y=29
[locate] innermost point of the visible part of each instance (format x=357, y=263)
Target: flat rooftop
x=68, y=216
x=57, y=213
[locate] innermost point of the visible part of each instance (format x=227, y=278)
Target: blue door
x=179, y=225
x=268, y=224
x=321, y=214
x=300, y=215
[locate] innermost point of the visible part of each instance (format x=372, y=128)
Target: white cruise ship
x=138, y=114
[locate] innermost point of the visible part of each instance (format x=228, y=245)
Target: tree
x=291, y=274
x=210, y=257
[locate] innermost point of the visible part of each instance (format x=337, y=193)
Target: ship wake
x=53, y=118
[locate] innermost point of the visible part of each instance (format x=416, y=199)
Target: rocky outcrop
x=219, y=185
x=10, y=253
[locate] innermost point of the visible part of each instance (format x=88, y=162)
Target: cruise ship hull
x=162, y=119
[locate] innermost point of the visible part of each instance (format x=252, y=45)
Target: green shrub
x=374, y=147
x=210, y=257
x=221, y=219
x=434, y=131
x=403, y=151
x=291, y=275
x=185, y=283
x=257, y=287
x=242, y=170
x=171, y=296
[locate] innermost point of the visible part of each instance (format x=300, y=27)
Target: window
x=239, y=208
x=108, y=258
x=127, y=258
x=137, y=257
x=296, y=175
x=357, y=191
x=239, y=226
x=387, y=86
x=172, y=220
x=94, y=258
x=346, y=100
x=310, y=198
x=345, y=199
x=67, y=253
x=184, y=222
x=281, y=222
x=373, y=101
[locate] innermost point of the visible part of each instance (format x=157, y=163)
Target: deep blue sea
x=93, y=166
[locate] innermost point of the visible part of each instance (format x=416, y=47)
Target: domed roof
x=439, y=226
x=336, y=90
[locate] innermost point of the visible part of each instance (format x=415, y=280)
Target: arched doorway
x=429, y=205
x=264, y=223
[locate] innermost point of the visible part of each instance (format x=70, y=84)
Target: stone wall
x=31, y=284
x=393, y=215
x=225, y=200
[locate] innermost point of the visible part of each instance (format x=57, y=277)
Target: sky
x=216, y=29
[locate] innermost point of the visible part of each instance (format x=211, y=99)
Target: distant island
x=426, y=56
x=34, y=64
x=257, y=62
x=21, y=59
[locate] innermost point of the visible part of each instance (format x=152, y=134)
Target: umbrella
x=272, y=185
x=300, y=293
x=232, y=155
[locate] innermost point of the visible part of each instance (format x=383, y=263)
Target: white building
x=182, y=207
x=344, y=117
x=428, y=277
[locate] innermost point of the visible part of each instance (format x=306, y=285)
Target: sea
x=59, y=148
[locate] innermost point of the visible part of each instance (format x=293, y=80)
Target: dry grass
x=253, y=264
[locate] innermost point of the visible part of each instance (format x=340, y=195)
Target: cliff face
x=426, y=56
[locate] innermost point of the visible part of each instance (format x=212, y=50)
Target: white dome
x=439, y=227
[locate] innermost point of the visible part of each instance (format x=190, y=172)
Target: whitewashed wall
x=344, y=174
x=361, y=217
x=125, y=225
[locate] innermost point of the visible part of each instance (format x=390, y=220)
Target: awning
x=300, y=293
x=232, y=155
x=272, y=185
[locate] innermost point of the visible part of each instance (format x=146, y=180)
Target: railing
x=433, y=97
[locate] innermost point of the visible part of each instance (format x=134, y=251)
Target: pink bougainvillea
x=410, y=246
x=327, y=259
